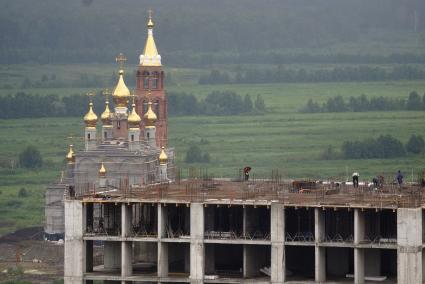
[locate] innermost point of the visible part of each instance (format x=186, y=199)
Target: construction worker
x=399, y=177
x=356, y=179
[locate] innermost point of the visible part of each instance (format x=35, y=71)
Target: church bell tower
x=150, y=87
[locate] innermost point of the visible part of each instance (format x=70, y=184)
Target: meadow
x=282, y=138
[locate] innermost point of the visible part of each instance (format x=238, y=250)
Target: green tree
x=415, y=145
x=194, y=154
x=247, y=103
x=414, y=101
x=30, y=158
x=259, y=103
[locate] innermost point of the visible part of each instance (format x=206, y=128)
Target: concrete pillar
x=409, y=242
x=112, y=255
x=319, y=252
x=126, y=216
x=74, y=261
x=197, y=252
x=162, y=247
x=359, y=253
x=126, y=259
x=277, y=236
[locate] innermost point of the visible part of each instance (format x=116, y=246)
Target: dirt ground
x=24, y=255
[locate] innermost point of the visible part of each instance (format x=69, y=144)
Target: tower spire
x=150, y=55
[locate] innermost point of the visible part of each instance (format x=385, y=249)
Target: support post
x=359, y=253
x=162, y=246
x=197, y=250
x=74, y=261
x=409, y=242
x=277, y=235
x=319, y=252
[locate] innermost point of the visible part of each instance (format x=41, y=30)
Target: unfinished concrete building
x=129, y=219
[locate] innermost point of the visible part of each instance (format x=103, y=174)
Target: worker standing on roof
x=356, y=179
x=399, y=178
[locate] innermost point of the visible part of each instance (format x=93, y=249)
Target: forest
x=238, y=31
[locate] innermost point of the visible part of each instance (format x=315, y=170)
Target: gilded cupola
x=70, y=157
x=90, y=119
x=150, y=116
x=121, y=93
x=102, y=170
x=133, y=118
x=163, y=158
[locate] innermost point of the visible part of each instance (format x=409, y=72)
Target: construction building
x=130, y=217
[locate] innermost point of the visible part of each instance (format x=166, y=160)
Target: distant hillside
x=202, y=32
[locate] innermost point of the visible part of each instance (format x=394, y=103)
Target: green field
x=282, y=138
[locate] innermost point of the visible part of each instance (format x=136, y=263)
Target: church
x=122, y=146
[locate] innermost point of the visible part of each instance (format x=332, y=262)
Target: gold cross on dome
x=133, y=96
x=106, y=93
x=90, y=95
x=121, y=59
x=150, y=13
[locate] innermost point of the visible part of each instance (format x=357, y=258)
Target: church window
x=132, y=137
x=105, y=135
x=88, y=136
x=155, y=80
x=157, y=108
x=145, y=106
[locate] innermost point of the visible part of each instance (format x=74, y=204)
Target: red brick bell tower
x=150, y=86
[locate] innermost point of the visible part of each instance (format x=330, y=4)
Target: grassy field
x=281, y=139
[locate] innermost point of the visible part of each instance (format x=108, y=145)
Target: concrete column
x=126, y=259
x=277, y=236
x=319, y=252
x=359, y=253
x=126, y=217
x=197, y=251
x=409, y=241
x=74, y=261
x=162, y=247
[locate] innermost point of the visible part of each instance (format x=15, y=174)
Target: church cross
x=121, y=59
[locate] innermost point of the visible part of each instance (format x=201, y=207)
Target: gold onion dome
x=70, y=157
x=163, y=158
x=121, y=92
x=150, y=116
x=150, y=22
x=133, y=118
x=102, y=170
x=90, y=118
x=106, y=115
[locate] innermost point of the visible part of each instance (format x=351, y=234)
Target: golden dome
x=150, y=116
x=106, y=115
x=90, y=118
x=70, y=157
x=102, y=170
x=121, y=92
x=163, y=158
x=133, y=118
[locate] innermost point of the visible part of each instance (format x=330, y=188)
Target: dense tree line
x=362, y=103
x=215, y=103
x=336, y=74
x=383, y=147
x=61, y=31
x=23, y=105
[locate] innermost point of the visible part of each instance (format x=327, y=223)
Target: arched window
x=145, y=106
x=105, y=135
x=155, y=80
x=156, y=108
x=88, y=136
x=132, y=137
x=145, y=80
